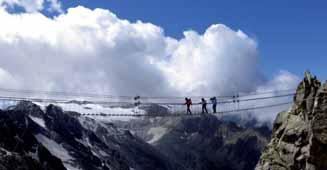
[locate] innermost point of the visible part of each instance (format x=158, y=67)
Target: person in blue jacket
x=214, y=104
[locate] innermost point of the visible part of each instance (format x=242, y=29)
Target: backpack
x=189, y=102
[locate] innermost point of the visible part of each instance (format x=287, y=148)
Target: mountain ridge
x=299, y=139
x=89, y=145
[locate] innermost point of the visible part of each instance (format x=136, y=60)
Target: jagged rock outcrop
x=299, y=139
x=19, y=149
x=52, y=139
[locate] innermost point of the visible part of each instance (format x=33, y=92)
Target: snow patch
x=54, y=148
x=69, y=167
x=57, y=150
x=6, y=152
x=38, y=121
x=97, y=109
x=4, y=104
x=157, y=132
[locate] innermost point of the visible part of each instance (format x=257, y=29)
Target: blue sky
x=292, y=35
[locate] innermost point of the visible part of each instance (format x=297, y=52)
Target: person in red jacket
x=188, y=103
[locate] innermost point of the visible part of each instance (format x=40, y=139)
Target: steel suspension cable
x=109, y=96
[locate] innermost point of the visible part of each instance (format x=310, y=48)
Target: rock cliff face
x=33, y=139
x=299, y=139
x=204, y=143
x=19, y=148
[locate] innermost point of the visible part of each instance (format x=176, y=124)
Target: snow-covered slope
x=89, y=109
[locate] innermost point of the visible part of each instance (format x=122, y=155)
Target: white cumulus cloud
x=86, y=50
x=282, y=81
x=6, y=79
x=220, y=61
x=33, y=5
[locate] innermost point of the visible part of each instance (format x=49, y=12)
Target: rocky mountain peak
x=54, y=139
x=299, y=139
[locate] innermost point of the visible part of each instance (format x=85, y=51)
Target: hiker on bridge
x=214, y=104
x=188, y=103
x=204, y=106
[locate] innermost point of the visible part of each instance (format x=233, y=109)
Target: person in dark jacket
x=204, y=106
x=214, y=104
x=188, y=103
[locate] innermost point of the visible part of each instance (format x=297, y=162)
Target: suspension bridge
x=239, y=102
